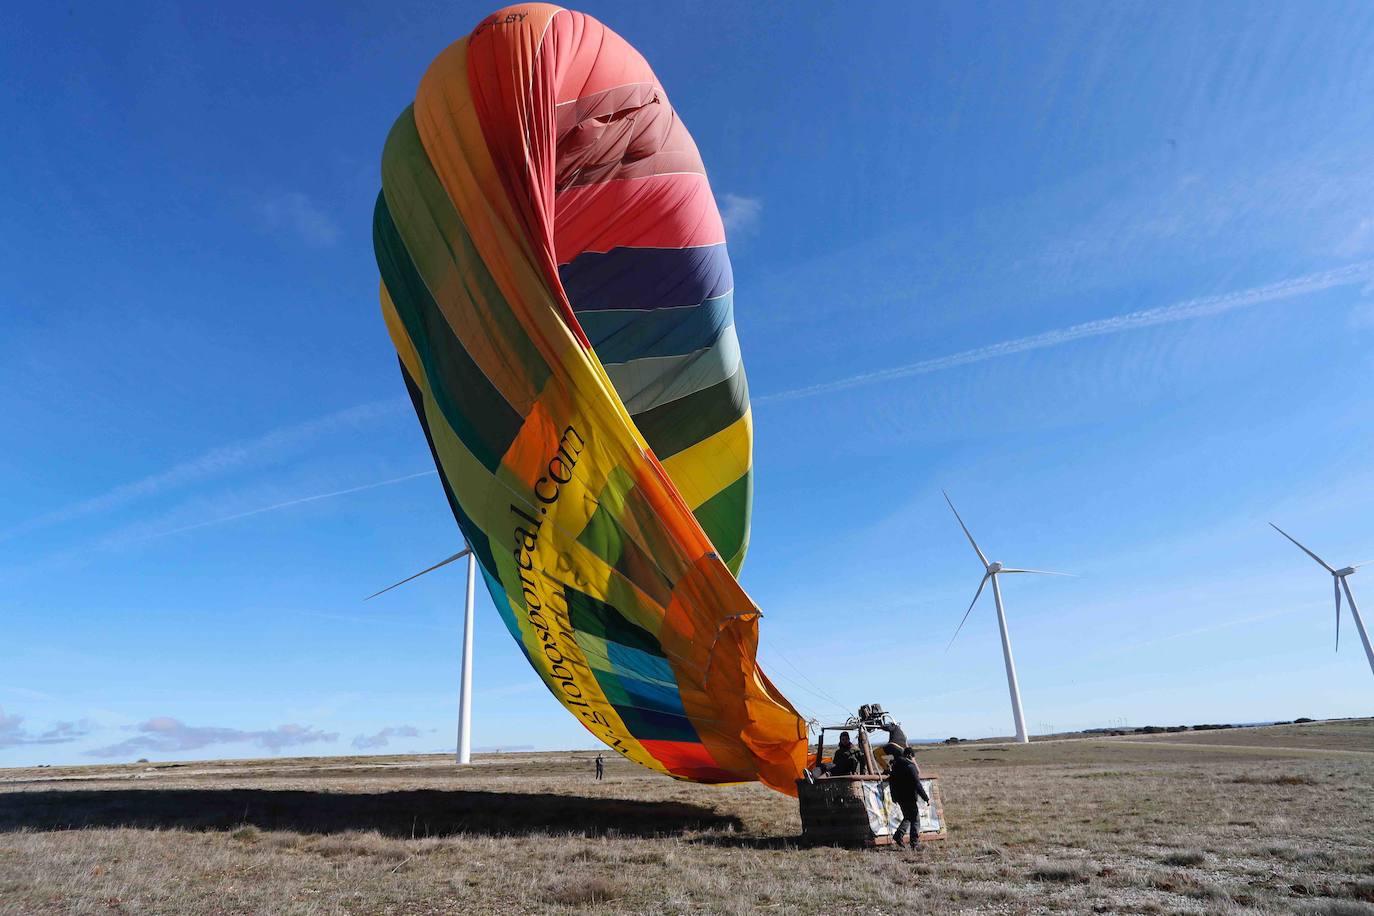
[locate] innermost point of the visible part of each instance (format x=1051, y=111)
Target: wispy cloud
x=1362, y=315
x=296, y=214
x=27, y=693
x=216, y=462
x=383, y=737
x=13, y=734
x=167, y=735
x=143, y=531
x=740, y=214
x=289, y=503
x=1359, y=240
x=1134, y=648
x=1167, y=314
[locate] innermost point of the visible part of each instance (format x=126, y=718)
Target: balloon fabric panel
x=556, y=284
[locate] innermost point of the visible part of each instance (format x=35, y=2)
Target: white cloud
x=740, y=214
x=13, y=734
x=167, y=735
x=382, y=738
x=1167, y=314
x=296, y=214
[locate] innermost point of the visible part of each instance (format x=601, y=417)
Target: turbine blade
x=1338, y=614
x=1038, y=572
x=986, y=577
x=966, y=531
x=1302, y=548
x=457, y=556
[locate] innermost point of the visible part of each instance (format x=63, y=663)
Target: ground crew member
x=600, y=766
x=905, y=781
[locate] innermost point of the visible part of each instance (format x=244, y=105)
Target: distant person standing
x=600, y=767
x=905, y=781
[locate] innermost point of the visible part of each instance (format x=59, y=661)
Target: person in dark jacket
x=600, y=766
x=847, y=760
x=905, y=781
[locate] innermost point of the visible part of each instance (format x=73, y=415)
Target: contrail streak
x=1166, y=314
x=1198, y=631
x=287, y=504
x=215, y=463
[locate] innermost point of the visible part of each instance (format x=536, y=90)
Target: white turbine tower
x=465, y=678
x=1339, y=577
x=991, y=570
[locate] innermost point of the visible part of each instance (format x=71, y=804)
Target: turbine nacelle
x=991, y=569
x=1338, y=577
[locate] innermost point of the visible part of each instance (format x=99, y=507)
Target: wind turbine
x=465, y=678
x=1339, y=577
x=991, y=570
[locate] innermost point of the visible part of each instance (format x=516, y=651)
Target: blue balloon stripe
x=646, y=278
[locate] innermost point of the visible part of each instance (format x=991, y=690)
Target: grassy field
x=1275, y=820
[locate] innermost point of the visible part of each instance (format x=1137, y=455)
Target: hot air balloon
x=554, y=278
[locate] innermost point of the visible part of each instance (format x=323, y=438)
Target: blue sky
x=1104, y=271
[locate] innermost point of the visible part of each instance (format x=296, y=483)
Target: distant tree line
x=1171, y=729
x=1164, y=729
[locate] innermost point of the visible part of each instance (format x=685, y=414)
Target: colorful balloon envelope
x=556, y=284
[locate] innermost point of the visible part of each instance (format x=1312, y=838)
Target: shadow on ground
x=746, y=841
x=394, y=814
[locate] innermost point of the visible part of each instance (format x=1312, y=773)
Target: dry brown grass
x=1266, y=820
